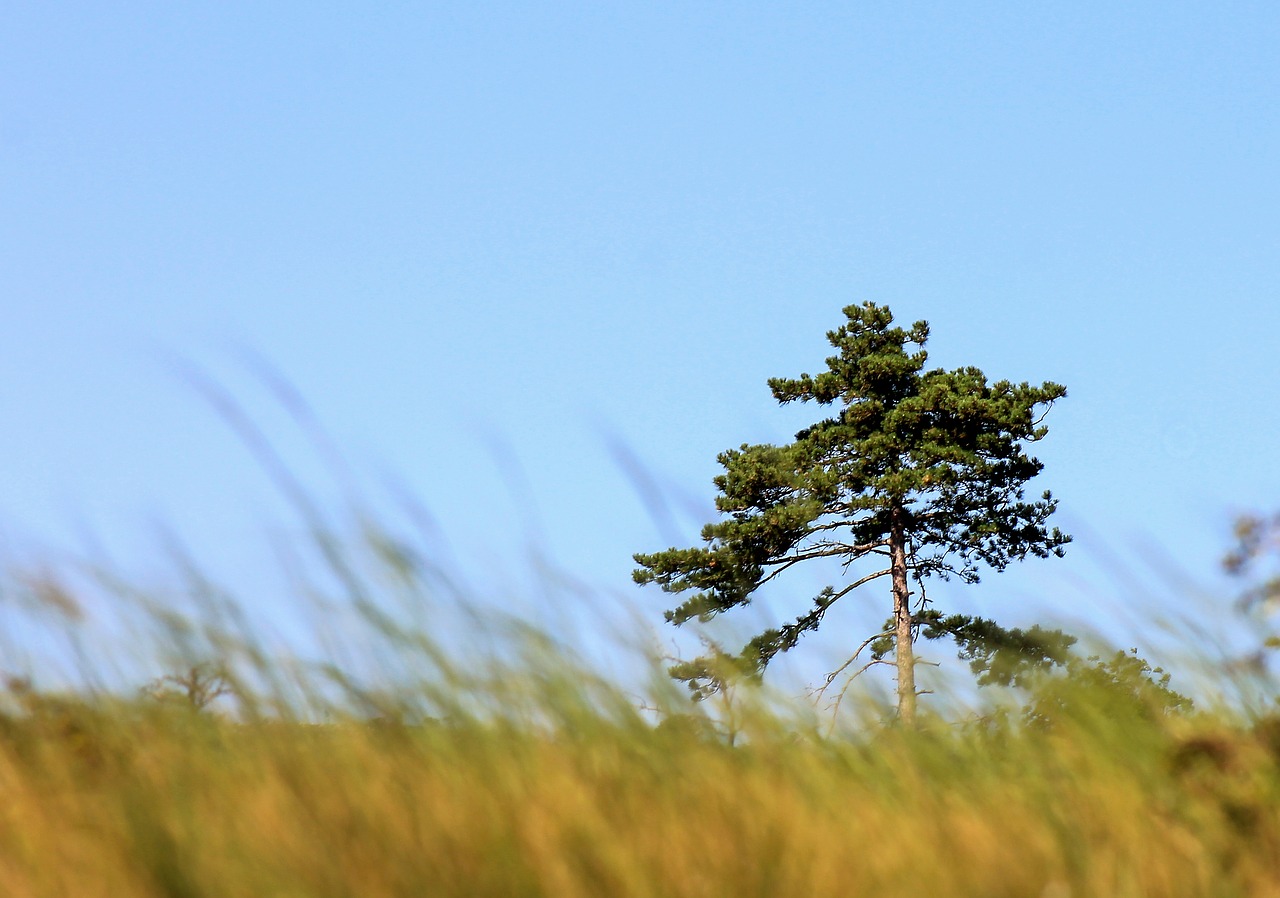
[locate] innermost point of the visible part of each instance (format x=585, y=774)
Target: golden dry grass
x=104, y=797
x=508, y=771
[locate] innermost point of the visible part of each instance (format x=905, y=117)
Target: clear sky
x=493, y=243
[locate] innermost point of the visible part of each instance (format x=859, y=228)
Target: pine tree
x=921, y=471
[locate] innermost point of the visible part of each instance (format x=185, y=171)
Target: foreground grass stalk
x=138, y=798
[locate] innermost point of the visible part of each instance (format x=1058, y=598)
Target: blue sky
x=491, y=243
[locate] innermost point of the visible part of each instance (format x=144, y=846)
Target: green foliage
x=1257, y=544
x=927, y=464
x=997, y=656
x=1257, y=537
x=1043, y=662
x=1254, y=559
x=1121, y=685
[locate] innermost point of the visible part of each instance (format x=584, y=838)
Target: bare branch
x=794, y=559
x=1036, y=423
x=805, y=555
x=830, y=678
x=835, y=707
x=867, y=579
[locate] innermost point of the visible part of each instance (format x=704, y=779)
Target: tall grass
x=110, y=797
x=521, y=774
x=400, y=763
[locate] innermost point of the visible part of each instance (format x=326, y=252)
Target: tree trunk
x=902, y=618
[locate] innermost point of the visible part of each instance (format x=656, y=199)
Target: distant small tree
x=199, y=686
x=924, y=470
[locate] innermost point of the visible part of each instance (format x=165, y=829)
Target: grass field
x=521, y=773
x=553, y=785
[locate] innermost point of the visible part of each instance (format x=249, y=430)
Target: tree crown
x=935, y=456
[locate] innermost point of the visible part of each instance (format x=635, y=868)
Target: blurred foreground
x=542, y=780
x=402, y=762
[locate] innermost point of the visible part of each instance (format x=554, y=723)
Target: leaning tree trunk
x=902, y=618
